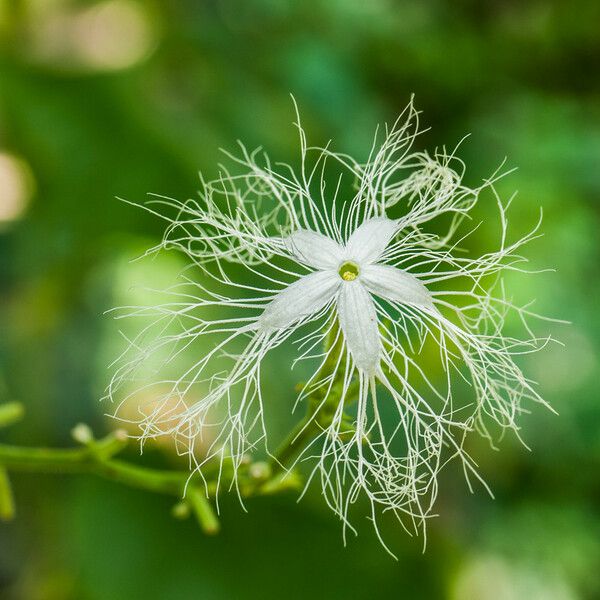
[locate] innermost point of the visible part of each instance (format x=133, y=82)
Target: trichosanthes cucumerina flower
x=403, y=332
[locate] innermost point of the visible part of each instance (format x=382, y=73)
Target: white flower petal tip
x=358, y=320
x=314, y=249
x=396, y=285
x=303, y=298
x=370, y=240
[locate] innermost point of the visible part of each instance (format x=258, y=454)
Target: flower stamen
x=349, y=271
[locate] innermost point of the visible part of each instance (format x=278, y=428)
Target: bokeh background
x=108, y=98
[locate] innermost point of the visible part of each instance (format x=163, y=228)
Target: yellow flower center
x=349, y=271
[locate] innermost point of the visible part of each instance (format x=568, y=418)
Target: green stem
x=320, y=410
x=96, y=458
x=7, y=503
x=296, y=441
x=67, y=460
x=203, y=510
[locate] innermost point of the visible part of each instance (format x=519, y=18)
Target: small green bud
x=82, y=433
x=181, y=510
x=260, y=471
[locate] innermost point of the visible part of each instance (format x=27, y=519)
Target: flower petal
x=394, y=284
x=314, y=249
x=369, y=240
x=304, y=297
x=358, y=320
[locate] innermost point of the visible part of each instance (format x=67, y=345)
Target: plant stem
x=294, y=443
x=320, y=409
x=204, y=511
x=96, y=457
x=7, y=502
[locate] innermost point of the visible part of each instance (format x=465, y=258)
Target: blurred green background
x=125, y=97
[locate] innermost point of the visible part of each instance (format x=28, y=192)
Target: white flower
x=347, y=256
x=347, y=275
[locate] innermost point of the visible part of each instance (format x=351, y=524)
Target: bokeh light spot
x=563, y=371
x=16, y=187
x=493, y=578
x=107, y=36
x=115, y=34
